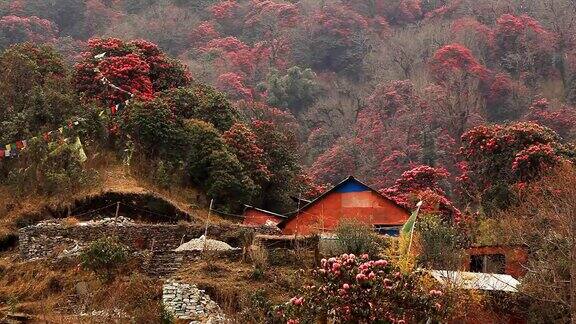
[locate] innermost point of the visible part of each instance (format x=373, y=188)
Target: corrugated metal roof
x=477, y=281
x=246, y=207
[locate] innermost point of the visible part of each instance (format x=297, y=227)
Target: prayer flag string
x=13, y=149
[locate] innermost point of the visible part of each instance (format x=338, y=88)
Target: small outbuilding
x=259, y=217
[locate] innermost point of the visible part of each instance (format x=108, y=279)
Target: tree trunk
x=573, y=279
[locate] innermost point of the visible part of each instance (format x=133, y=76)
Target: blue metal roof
x=352, y=185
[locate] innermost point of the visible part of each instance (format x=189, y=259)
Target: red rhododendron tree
x=243, y=143
x=336, y=163
x=229, y=15
x=422, y=183
x=562, y=120
x=457, y=100
x=271, y=20
x=203, y=33
x=523, y=46
x=389, y=131
x=234, y=85
x=478, y=36
x=445, y=11
x=504, y=100
x=138, y=67
x=351, y=289
x=334, y=37
x=455, y=59
x=241, y=66
x=100, y=14
x=499, y=157
x=268, y=13
x=14, y=29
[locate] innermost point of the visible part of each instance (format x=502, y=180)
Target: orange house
x=350, y=199
x=258, y=217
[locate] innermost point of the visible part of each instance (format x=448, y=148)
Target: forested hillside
x=316, y=90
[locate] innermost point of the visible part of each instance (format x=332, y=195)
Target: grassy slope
x=114, y=177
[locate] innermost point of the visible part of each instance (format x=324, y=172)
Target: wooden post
x=117, y=210
x=207, y=222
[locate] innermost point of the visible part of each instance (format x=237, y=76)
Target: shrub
x=256, y=308
x=440, y=242
x=8, y=240
x=358, y=238
x=50, y=169
x=259, y=256
x=104, y=257
x=350, y=289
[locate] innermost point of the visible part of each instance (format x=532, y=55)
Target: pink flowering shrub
x=455, y=59
x=351, y=289
x=530, y=162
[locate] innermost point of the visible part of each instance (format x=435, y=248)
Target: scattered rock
x=82, y=289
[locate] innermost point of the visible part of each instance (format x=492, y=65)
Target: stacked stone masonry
x=186, y=301
x=46, y=240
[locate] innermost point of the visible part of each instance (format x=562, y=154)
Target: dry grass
x=114, y=177
x=229, y=282
x=53, y=292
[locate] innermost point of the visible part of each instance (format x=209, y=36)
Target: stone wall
x=165, y=263
x=45, y=240
x=186, y=301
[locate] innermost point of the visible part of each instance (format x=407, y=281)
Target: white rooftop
x=477, y=281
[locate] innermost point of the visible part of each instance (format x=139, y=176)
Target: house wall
x=325, y=214
x=258, y=218
x=516, y=257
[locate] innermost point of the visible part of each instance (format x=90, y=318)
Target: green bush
x=358, y=238
x=49, y=169
x=440, y=243
x=105, y=257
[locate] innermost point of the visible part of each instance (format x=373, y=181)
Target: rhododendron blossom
x=355, y=289
x=233, y=84
x=138, y=67
x=455, y=58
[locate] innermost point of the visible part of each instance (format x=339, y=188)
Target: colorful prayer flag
x=100, y=56
x=79, y=148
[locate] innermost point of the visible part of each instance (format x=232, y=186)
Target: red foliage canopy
x=455, y=59
x=244, y=144
x=339, y=22
x=422, y=183
x=137, y=66
x=286, y=14
x=14, y=29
